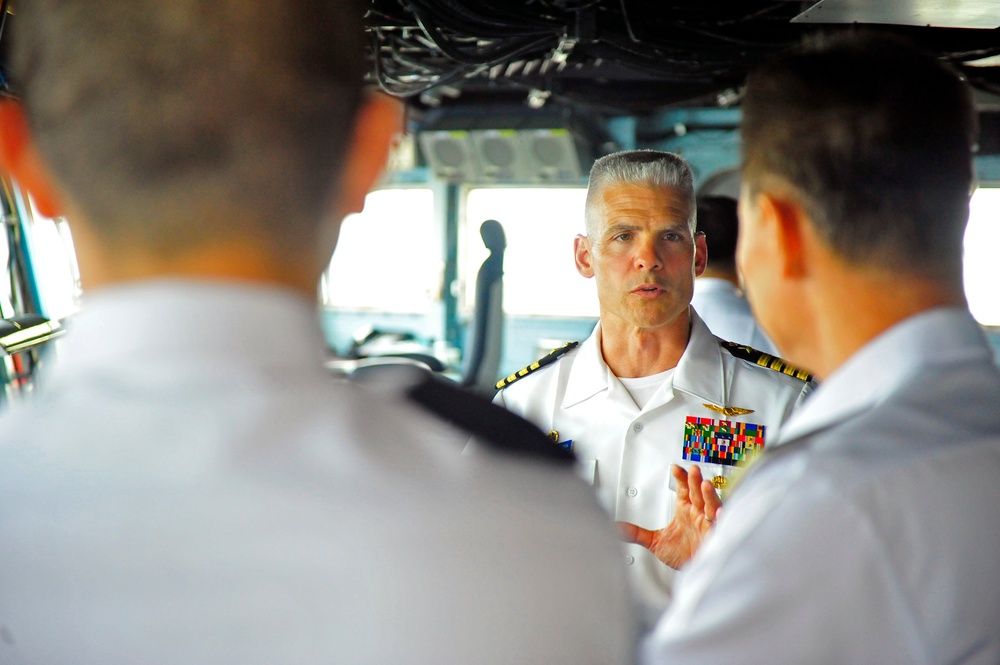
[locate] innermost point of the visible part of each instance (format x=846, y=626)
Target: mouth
x=648, y=290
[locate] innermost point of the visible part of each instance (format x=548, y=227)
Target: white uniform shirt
x=727, y=313
x=191, y=487
x=872, y=534
x=626, y=452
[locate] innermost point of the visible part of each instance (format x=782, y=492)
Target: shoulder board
x=765, y=360
x=538, y=364
x=491, y=425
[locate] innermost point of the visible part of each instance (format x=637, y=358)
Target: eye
x=622, y=237
x=671, y=236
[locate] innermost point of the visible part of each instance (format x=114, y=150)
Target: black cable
x=628, y=24
x=569, y=6
x=753, y=15
x=428, y=43
x=731, y=40
x=455, y=16
x=428, y=77
x=482, y=55
x=3, y=16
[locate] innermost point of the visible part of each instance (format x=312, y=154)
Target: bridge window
x=392, y=258
x=982, y=270
x=540, y=277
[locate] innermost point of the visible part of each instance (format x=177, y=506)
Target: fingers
x=700, y=494
x=635, y=534
x=694, y=486
x=681, y=480
x=711, y=501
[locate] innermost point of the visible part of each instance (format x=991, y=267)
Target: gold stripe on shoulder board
x=765, y=360
x=538, y=364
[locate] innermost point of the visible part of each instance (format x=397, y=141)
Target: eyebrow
x=618, y=227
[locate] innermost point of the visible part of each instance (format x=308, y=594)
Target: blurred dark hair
x=718, y=219
x=876, y=138
x=145, y=109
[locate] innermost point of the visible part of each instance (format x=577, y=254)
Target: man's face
x=643, y=255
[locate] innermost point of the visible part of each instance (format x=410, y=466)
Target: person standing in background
x=718, y=296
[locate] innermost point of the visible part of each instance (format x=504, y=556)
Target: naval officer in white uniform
x=871, y=534
x=652, y=386
x=189, y=485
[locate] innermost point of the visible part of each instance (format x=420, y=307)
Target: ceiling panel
x=983, y=14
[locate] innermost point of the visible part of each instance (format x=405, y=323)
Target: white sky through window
x=982, y=267
x=391, y=259
x=540, y=276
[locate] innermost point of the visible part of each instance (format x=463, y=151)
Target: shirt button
x=632, y=491
x=637, y=427
x=629, y=559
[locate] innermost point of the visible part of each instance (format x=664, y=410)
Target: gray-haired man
x=651, y=387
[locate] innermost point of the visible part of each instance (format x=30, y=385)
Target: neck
x=861, y=307
x=238, y=260
x=240, y=257
x=632, y=351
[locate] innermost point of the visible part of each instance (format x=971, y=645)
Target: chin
x=658, y=319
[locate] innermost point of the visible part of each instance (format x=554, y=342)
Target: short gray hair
x=653, y=168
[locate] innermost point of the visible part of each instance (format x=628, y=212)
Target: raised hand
x=697, y=506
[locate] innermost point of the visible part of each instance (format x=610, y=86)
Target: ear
x=700, y=254
x=20, y=158
x=581, y=251
x=378, y=122
x=785, y=218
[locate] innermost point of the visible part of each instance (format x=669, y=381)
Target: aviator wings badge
x=728, y=410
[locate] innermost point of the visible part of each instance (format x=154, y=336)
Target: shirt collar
x=700, y=371
x=940, y=336
x=589, y=374
x=189, y=322
x=714, y=285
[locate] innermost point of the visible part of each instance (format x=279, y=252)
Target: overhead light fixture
x=508, y=148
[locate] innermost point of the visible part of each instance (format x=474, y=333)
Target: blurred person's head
x=857, y=174
x=174, y=126
x=718, y=220
x=875, y=138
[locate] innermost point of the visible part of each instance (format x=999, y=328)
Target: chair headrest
x=493, y=235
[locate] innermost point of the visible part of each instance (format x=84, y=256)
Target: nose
x=647, y=257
